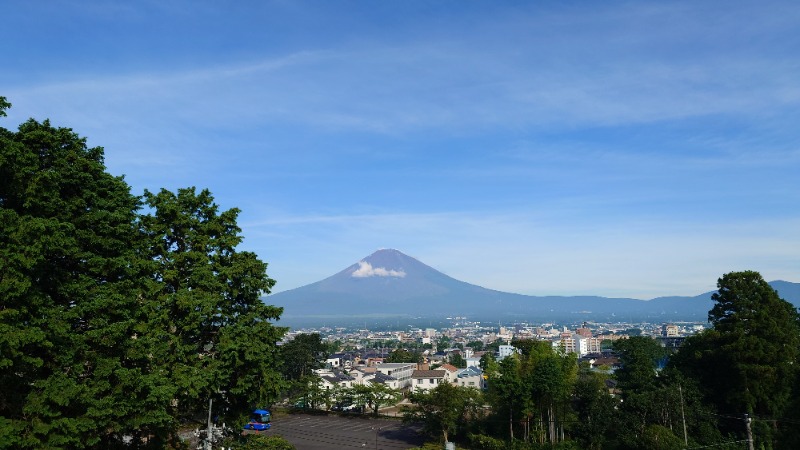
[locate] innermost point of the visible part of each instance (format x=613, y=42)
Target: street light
x=376, y=430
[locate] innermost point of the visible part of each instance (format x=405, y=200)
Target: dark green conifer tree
x=72, y=374
x=748, y=361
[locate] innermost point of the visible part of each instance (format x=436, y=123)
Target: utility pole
x=376, y=430
x=747, y=421
x=683, y=417
x=511, y=423
x=208, y=431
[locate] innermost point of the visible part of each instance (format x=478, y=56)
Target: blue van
x=259, y=420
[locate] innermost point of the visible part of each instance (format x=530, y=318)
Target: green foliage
x=507, y=392
x=107, y=315
x=333, y=347
x=494, y=346
x=594, y=409
x=475, y=345
x=458, y=361
x=4, y=105
x=369, y=396
x=748, y=361
x=530, y=392
x=639, y=356
x=482, y=442
x=657, y=437
x=205, y=305
x=488, y=364
x=759, y=331
x=309, y=392
x=300, y=356
x=69, y=279
x=444, y=409
x=431, y=446
x=380, y=394
x=259, y=442
x=402, y=355
x=647, y=400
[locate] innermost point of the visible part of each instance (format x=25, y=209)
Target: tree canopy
x=402, y=355
x=116, y=324
x=747, y=363
x=444, y=408
x=301, y=355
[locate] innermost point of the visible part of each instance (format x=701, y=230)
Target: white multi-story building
x=506, y=350
x=400, y=371
x=575, y=343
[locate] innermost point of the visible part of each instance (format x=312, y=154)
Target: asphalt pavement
x=321, y=432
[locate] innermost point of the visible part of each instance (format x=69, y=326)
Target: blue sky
x=613, y=148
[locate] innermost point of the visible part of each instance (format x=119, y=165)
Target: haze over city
x=633, y=149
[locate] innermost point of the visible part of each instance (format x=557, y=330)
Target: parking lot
x=319, y=432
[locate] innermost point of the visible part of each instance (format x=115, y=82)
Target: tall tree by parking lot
x=111, y=320
x=72, y=376
x=215, y=334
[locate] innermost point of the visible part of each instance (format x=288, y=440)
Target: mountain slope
x=389, y=282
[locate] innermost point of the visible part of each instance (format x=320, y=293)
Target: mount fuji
x=390, y=283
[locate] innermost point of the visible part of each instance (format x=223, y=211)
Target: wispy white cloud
x=595, y=77
x=495, y=121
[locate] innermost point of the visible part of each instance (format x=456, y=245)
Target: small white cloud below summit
x=366, y=270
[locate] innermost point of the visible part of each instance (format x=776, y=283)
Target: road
x=320, y=432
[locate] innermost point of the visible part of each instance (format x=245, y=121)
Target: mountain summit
x=385, y=282
x=389, y=282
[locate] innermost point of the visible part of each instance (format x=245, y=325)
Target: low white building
x=471, y=377
x=332, y=378
x=334, y=362
x=423, y=380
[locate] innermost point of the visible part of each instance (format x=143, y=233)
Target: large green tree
x=216, y=337
x=72, y=373
x=507, y=392
x=115, y=325
x=639, y=357
x=533, y=389
x=747, y=363
x=444, y=409
x=373, y=395
x=657, y=403
x=301, y=355
x=594, y=408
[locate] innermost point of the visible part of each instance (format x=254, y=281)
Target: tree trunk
x=511, y=423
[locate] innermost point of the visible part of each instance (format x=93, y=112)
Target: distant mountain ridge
x=389, y=282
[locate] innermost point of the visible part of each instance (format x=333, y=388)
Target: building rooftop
x=429, y=374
